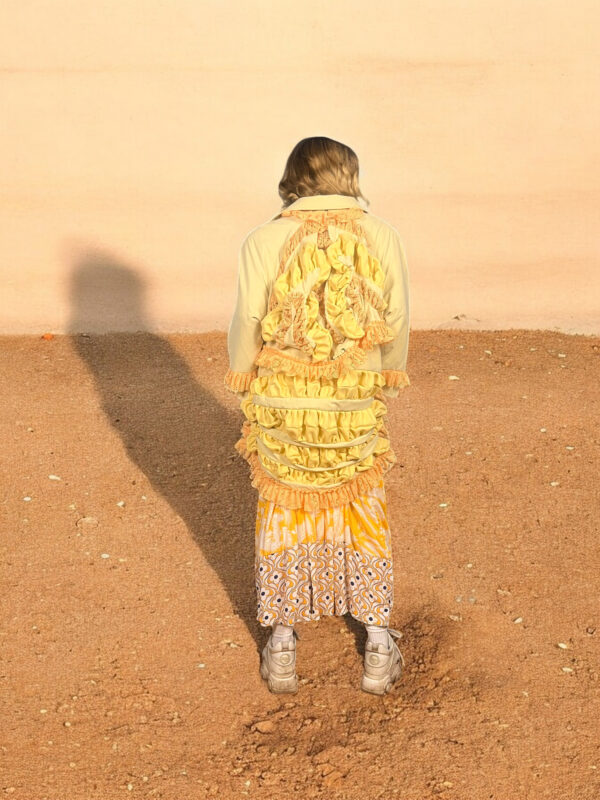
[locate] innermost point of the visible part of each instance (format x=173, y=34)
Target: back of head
x=320, y=165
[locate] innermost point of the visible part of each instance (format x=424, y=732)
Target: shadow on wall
x=173, y=428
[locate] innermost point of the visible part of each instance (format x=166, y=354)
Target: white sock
x=282, y=633
x=378, y=634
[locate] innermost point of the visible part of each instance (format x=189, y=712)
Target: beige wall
x=142, y=140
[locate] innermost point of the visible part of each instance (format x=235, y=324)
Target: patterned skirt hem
x=318, y=579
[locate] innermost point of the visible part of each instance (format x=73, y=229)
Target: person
x=317, y=343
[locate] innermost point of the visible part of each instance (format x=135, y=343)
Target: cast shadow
x=173, y=428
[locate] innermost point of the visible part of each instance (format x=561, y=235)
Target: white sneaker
x=382, y=666
x=278, y=665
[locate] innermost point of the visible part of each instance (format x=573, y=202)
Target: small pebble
x=563, y=646
x=453, y=378
x=542, y=430
x=517, y=620
x=54, y=477
x=554, y=483
x=27, y=499
x=121, y=503
x=105, y=555
x=566, y=669
x=87, y=521
x=264, y=726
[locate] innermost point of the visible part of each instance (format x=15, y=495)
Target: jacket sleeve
x=244, y=337
x=397, y=315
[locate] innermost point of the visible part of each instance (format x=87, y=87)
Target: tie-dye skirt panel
x=329, y=562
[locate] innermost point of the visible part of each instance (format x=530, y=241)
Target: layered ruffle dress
x=314, y=433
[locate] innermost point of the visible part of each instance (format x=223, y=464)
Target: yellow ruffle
x=305, y=460
x=311, y=499
x=354, y=385
x=315, y=425
x=325, y=296
x=377, y=332
x=395, y=377
x=239, y=381
x=316, y=458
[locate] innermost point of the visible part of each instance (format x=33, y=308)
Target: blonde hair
x=319, y=165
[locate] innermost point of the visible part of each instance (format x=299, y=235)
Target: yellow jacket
x=259, y=259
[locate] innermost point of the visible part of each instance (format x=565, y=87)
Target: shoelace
x=397, y=634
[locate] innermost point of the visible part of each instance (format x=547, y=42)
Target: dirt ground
x=130, y=648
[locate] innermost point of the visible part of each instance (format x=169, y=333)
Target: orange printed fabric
x=329, y=562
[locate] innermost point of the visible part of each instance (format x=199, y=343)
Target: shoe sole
x=382, y=685
x=279, y=685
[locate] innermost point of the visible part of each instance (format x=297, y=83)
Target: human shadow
x=172, y=426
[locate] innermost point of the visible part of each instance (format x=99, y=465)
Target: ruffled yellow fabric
x=395, y=377
x=321, y=474
x=313, y=499
x=326, y=304
x=239, y=381
x=325, y=296
x=318, y=457
x=354, y=385
x=278, y=360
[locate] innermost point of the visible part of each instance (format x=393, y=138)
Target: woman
x=318, y=338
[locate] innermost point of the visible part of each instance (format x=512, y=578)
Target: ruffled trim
x=312, y=499
x=239, y=381
x=395, y=377
x=376, y=333
x=312, y=222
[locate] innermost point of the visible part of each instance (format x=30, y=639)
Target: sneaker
x=382, y=666
x=278, y=665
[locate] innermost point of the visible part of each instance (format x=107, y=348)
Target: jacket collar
x=321, y=201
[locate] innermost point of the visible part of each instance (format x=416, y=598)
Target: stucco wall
x=141, y=141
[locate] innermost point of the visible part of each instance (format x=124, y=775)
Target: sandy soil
x=130, y=649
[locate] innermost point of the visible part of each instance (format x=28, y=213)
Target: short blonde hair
x=319, y=165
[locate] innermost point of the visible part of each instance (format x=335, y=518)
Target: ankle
x=282, y=633
x=378, y=634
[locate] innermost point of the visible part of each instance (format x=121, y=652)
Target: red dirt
x=136, y=674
